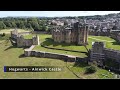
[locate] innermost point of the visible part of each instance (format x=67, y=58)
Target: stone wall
x=100, y=55
x=118, y=37
x=115, y=36
x=113, y=54
x=15, y=34
x=29, y=52
x=77, y=34
x=21, y=41
x=39, y=32
x=49, y=55
x=99, y=33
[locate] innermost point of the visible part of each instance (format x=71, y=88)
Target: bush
x=3, y=34
x=90, y=69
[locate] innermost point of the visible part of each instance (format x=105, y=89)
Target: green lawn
x=60, y=51
x=7, y=31
x=44, y=37
x=80, y=68
x=103, y=38
x=6, y=37
x=11, y=56
x=47, y=41
x=28, y=36
x=111, y=45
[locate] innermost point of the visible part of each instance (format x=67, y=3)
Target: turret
x=83, y=34
x=36, y=40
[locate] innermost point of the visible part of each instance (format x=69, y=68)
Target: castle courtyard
x=15, y=58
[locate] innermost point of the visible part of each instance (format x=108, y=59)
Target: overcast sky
x=54, y=13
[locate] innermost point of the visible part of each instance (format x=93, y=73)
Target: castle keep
x=77, y=33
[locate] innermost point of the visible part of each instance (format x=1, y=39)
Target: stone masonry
x=99, y=53
x=33, y=53
x=21, y=41
x=78, y=34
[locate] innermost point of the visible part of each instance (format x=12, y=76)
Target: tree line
x=24, y=23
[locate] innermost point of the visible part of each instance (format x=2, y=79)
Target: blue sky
x=54, y=13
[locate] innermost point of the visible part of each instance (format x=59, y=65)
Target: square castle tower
x=77, y=34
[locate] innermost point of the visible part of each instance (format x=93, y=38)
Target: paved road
x=100, y=39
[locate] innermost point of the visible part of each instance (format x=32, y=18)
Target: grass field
x=47, y=41
x=28, y=36
x=109, y=42
x=7, y=31
x=11, y=56
x=43, y=38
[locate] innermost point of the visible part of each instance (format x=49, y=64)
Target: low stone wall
x=24, y=33
x=41, y=54
x=113, y=54
x=39, y=32
x=27, y=52
x=99, y=33
x=85, y=60
x=34, y=53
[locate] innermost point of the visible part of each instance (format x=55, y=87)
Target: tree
x=90, y=69
x=22, y=26
x=43, y=28
x=46, y=29
x=2, y=25
x=13, y=24
x=3, y=34
x=30, y=23
x=8, y=24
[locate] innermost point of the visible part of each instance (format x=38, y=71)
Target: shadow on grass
x=5, y=37
x=80, y=64
x=22, y=56
x=116, y=43
x=10, y=48
x=50, y=41
x=14, y=47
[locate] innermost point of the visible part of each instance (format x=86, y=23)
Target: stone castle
x=99, y=54
x=77, y=34
x=19, y=39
